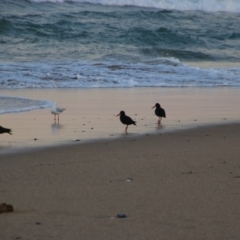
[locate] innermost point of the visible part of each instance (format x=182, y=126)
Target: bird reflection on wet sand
x=159, y=127
x=56, y=127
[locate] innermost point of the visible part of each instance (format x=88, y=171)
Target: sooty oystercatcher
x=56, y=111
x=126, y=120
x=160, y=112
x=5, y=130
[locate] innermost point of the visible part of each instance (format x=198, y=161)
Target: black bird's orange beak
x=154, y=106
x=118, y=115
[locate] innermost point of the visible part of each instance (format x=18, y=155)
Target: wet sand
x=91, y=114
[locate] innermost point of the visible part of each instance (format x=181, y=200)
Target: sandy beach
x=83, y=177
x=170, y=184
x=178, y=185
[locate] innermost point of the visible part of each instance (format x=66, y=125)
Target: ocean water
x=112, y=44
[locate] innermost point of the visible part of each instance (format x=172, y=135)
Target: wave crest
x=183, y=5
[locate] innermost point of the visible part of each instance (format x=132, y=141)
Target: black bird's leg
x=126, y=129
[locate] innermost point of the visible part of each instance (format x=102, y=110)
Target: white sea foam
x=201, y=5
x=18, y=104
x=163, y=72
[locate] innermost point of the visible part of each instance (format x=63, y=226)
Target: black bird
x=126, y=120
x=5, y=130
x=160, y=112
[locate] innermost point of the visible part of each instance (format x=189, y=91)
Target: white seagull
x=56, y=111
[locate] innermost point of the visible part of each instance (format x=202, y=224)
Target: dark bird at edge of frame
x=5, y=130
x=126, y=120
x=160, y=112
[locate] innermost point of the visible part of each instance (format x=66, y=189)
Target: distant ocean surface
x=112, y=44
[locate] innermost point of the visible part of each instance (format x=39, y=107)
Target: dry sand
x=170, y=184
x=184, y=185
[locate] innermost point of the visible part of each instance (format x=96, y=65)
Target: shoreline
x=131, y=137
x=90, y=114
